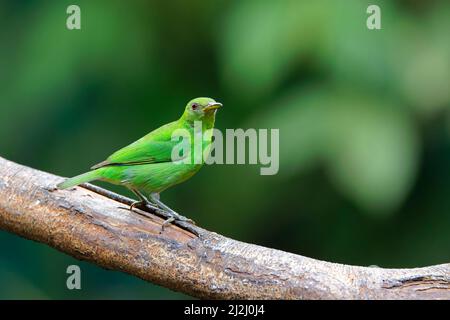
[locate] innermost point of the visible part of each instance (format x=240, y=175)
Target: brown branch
x=94, y=225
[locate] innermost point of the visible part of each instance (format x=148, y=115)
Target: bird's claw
x=173, y=216
x=167, y=222
x=137, y=204
x=142, y=205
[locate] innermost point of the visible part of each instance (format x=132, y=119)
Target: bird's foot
x=142, y=205
x=173, y=216
x=167, y=222
x=137, y=204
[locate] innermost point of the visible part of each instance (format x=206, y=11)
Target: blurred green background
x=364, y=119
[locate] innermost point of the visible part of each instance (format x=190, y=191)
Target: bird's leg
x=174, y=216
x=143, y=201
x=154, y=197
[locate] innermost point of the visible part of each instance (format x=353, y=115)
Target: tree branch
x=92, y=224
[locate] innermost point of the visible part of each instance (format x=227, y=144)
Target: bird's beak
x=212, y=106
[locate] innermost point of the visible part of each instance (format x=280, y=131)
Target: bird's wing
x=140, y=153
x=156, y=147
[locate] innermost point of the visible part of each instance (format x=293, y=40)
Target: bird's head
x=199, y=109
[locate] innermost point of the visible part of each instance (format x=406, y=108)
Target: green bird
x=146, y=166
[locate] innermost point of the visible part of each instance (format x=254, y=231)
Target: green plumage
x=146, y=165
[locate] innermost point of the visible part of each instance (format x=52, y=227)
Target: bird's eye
x=194, y=106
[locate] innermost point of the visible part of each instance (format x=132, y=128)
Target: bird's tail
x=82, y=178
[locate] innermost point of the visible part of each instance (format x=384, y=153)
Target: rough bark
x=93, y=224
